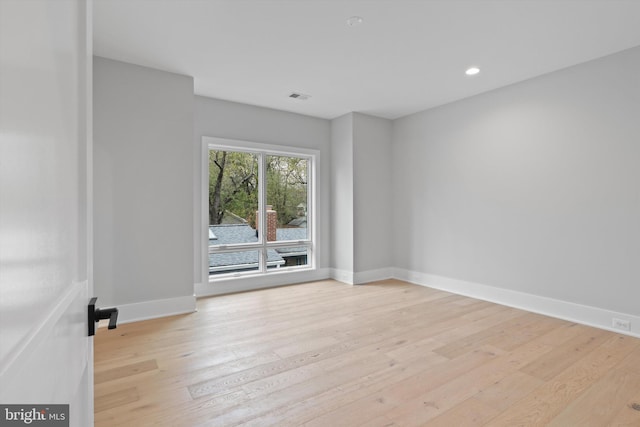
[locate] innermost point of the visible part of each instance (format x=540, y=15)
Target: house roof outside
x=298, y=222
x=231, y=218
x=228, y=234
x=292, y=234
x=238, y=233
x=243, y=233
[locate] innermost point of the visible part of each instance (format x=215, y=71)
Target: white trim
x=587, y=315
x=372, y=275
x=146, y=310
x=269, y=280
x=203, y=201
x=250, y=146
x=258, y=280
x=263, y=254
x=343, y=276
x=352, y=278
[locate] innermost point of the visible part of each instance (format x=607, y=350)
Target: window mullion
x=262, y=208
x=311, y=188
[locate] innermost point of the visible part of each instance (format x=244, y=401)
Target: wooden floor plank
x=598, y=405
x=469, y=413
x=552, y=364
x=553, y=396
x=508, y=391
x=419, y=409
x=382, y=354
x=116, y=398
x=125, y=371
x=629, y=415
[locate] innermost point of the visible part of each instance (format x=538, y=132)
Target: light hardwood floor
x=382, y=354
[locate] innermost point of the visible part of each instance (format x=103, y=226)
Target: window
x=259, y=209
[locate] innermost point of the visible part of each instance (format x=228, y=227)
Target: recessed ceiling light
x=472, y=71
x=354, y=20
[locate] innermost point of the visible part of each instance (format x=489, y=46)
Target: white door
x=46, y=356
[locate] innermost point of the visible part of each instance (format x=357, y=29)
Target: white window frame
x=262, y=150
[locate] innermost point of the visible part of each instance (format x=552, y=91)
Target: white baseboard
x=343, y=276
x=353, y=278
x=271, y=280
x=373, y=275
x=587, y=315
x=156, y=308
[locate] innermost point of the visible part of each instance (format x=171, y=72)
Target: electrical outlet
x=624, y=325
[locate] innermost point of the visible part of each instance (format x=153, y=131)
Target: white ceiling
x=405, y=57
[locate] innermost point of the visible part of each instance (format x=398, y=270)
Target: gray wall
x=372, y=217
x=342, y=249
x=231, y=120
x=533, y=187
x=143, y=185
x=361, y=225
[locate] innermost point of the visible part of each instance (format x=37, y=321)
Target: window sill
x=248, y=282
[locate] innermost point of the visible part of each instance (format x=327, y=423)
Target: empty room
x=320, y=213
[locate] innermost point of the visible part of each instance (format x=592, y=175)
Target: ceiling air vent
x=299, y=96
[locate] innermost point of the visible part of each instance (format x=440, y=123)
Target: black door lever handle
x=108, y=313
x=97, y=314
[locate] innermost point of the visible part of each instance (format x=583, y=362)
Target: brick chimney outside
x=272, y=223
